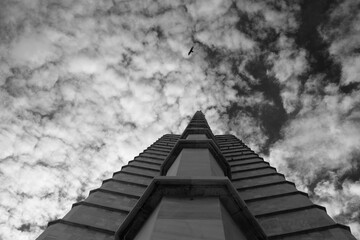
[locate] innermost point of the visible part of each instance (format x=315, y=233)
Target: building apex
x=198, y=115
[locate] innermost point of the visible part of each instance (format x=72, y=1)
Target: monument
x=196, y=186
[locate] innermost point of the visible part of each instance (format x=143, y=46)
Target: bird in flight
x=191, y=50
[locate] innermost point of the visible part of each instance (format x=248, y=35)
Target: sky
x=85, y=86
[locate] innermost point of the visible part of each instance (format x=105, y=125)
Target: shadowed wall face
x=186, y=218
x=195, y=162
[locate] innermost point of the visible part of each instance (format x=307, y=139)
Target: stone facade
x=196, y=186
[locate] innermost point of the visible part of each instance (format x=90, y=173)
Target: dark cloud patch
x=314, y=14
x=252, y=25
x=352, y=174
x=272, y=116
x=44, y=116
x=48, y=195
x=80, y=198
x=248, y=24
x=159, y=32
x=349, y=88
x=25, y=227
x=126, y=60
x=214, y=56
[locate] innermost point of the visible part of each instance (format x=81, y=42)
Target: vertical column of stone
x=194, y=199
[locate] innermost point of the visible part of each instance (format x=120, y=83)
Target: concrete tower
x=196, y=186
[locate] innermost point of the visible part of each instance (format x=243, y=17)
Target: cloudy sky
x=87, y=85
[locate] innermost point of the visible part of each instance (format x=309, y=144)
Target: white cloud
x=208, y=10
x=84, y=64
x=351, y=70
x=288, y=65
x=32, y=49
x=230, y=39
x=318, y=133
x=279, y=20
x=340, y=201
x=250, y=129
x=354, y=227
x=320, y=146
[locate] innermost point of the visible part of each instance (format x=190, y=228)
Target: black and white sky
x=87, y=85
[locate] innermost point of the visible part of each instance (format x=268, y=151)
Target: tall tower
x=196, y=186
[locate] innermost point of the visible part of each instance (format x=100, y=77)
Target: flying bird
x=191, y=50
